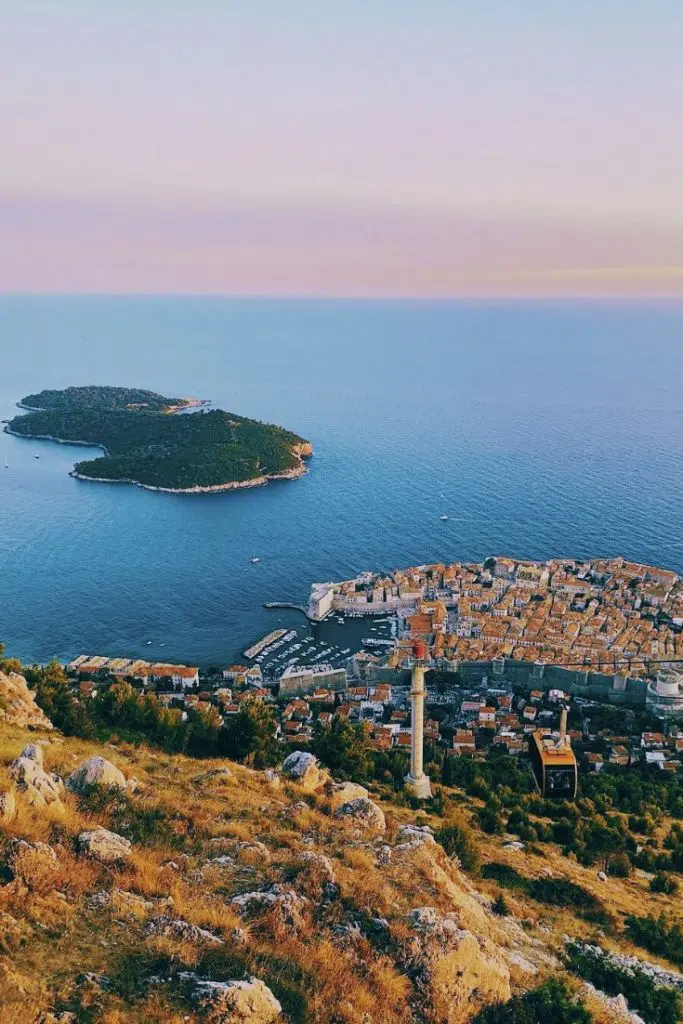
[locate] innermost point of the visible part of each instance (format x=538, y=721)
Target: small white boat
x=36, y=456
x=443, y=518
x=255, y=559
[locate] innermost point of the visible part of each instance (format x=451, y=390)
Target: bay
x=551, y=428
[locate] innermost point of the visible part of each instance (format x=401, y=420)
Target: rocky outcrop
x=458, y=969
x=34, y=864
x=178, y=929
x=363, y=813
x=252, y=853
x=339, y=793
x=303, y=768
x=18, y=704
x=233, y=1002
x=411, y=836
x=96, y=771
x=287, y=905
x=39, y=787
x=104, y=846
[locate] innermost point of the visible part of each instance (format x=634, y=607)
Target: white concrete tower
x=417, y=783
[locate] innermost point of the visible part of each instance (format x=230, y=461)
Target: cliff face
x=17, y=704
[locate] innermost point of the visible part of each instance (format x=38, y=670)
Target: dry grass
x=317, y=973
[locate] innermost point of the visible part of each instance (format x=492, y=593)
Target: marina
x=332, y=642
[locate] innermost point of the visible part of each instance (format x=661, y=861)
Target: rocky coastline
x=302, y=452
x=258, y=481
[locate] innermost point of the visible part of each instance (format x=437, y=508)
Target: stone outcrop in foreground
x=96, y=771
x=105, y=846
x=303, y=768
x=40, y=788
x=233, y=1002
x=18, y=704
x=363, y=813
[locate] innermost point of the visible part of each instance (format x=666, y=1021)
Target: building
x=664, y=697
x=299, y=679
x=320, y=602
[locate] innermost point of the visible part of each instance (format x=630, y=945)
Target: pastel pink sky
x=357, y=148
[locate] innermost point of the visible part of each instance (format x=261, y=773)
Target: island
x=161, y=443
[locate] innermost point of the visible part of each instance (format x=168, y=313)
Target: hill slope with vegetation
x=146, y=444
x=140, y=885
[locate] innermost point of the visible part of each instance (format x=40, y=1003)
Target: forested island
x=144, y=443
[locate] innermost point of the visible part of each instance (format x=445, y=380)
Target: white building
x=665, y=695
x=299, y=679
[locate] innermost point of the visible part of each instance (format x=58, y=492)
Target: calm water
x=550, y=428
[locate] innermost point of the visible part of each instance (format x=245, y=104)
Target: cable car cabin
x=554, y=765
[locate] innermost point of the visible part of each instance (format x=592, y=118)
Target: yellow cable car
x=554, y=765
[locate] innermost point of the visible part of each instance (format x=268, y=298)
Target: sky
x=362, y=148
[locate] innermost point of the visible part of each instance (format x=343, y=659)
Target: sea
x=540, y=428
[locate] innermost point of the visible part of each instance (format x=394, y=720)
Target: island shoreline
x=305, y=452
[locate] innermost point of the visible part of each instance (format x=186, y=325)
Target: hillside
x=145, y=444
x=228, y=894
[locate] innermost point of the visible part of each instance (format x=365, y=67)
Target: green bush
x=654, y=1004
x=459, y=840
x=658, y=935
x=556, y=892
x=550, y=1003
x=664, y=883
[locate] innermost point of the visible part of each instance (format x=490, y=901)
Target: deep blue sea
x=552, y=428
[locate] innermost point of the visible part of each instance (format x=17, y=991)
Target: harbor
x=331, y=642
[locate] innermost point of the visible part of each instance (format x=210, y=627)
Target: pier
x=289, y=606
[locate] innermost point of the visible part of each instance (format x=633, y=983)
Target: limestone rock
x=105, y=846
x=339, y=793
x=364, y=813
x=178, y=929
x=272, y=778
x=410, y=836
x=253, y=853
x=96, y=771
x=39, y=787
x=32, y=863
x=319, y=863
x=287, y=904
x=458, y=971
x=233, y=1002
x=18, y=704
x=304, y=769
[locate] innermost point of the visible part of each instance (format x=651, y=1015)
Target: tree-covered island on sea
x=146, y=444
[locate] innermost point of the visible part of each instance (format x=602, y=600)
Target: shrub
x=657, y=935
x=664, y=883
x=556, y=892
x=500, y=906
x=620, y=865
x=551, y=1001
x=458, y=839
x=490, y=820
x=654, y=1004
